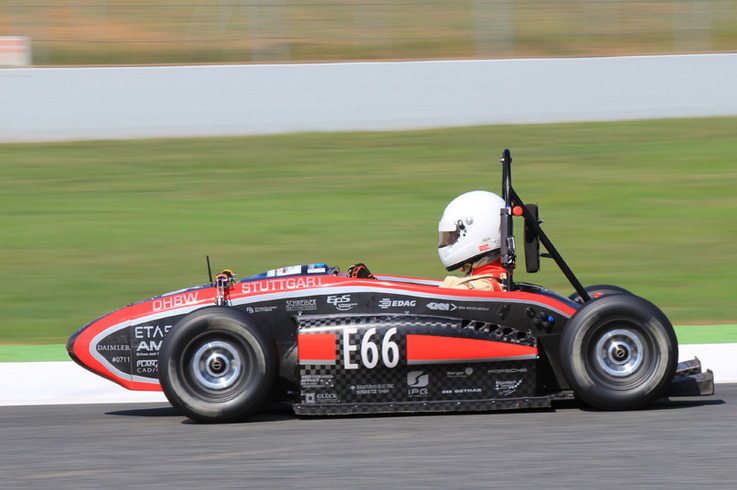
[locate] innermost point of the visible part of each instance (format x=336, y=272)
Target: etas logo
x=386, y=303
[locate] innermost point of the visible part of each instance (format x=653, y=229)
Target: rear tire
x=217, y=365
x=619, y=352
x=598, y=291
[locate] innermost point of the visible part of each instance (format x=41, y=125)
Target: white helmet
x=469, y=228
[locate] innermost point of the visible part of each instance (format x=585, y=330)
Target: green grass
x=88, y=227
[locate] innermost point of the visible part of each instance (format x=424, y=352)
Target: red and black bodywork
x=353, y=345
x=332, y=344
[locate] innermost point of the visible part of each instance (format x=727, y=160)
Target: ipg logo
x=417, y=381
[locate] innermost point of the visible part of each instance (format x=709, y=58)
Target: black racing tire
x=217, y=364
x=619, y=352
x=598, y=291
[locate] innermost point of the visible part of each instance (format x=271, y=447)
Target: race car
x=331, y=344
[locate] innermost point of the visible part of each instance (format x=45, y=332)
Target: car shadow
x=280, y=411
x=664, y=404
x=270, y=413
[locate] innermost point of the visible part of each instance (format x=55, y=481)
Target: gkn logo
x=441, y=306
x=386, y=303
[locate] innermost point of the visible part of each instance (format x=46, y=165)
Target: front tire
x=619, y=352
x=217, y=365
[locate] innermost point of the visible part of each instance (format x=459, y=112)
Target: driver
x=470, y=240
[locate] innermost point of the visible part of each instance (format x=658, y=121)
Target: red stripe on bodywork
x=316, y=347
x=436, y=348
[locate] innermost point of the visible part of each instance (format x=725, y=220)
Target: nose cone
x=72, y=349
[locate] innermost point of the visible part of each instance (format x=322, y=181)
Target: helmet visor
x=447, y=238
x=448, y=233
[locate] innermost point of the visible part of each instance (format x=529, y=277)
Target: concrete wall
x=47, y=104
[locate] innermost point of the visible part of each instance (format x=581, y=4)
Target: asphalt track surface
x=681, y=443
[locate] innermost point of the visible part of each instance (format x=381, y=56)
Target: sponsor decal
x=507, y=371
x=260, y=309
x=150, y=337
x=461, y=391
x=342, y=302
x=301, y=304
x=459, y=374
x=372, y=389
x=386, y=303
x=113, y=347
x=417, y=381
x=286, y=271
x=507, y=387
x=312, y=398
x=441, y=306
x=473, y=308
x=147, y=366
x=327, y=398
x=437, y=306
x=318, y=381
x=176, y=301
x=275, y=285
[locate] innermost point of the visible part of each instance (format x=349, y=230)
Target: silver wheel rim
x=216, y=365
x=620, y=353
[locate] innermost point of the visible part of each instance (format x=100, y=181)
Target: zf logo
x=418, y=382
x=342, y=303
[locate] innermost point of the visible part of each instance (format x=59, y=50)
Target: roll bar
x=515, y=207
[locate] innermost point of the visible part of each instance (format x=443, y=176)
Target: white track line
x=66, y=383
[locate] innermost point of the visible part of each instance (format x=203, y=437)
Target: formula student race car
x=331, y=344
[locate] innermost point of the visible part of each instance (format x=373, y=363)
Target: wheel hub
x=216, y=365
x=620, y=352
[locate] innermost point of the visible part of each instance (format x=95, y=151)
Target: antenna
x=209, y=271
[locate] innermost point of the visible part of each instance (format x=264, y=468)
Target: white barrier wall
x=46, y=104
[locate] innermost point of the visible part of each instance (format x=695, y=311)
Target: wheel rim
x=216, y=365
x=620, y=353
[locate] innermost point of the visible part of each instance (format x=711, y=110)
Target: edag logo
x=386, y=303
x=342, y=303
